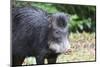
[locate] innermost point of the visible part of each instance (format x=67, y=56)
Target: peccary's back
x=29, y=28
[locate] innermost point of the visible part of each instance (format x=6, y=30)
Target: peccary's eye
x=56, y=32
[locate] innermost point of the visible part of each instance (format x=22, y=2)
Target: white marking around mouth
x=60, y=47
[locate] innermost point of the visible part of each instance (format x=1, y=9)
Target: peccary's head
x=58, y=35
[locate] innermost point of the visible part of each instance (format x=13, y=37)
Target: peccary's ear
x=68, y=17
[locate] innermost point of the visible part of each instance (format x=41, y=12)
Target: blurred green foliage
x=86, y=25
x=82, y=17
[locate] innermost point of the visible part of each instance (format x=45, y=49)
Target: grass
x=83, y=49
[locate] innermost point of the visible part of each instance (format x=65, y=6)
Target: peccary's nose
x=68, y=51
x=67, y=47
